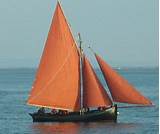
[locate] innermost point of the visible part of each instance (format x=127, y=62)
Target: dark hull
x=109, y=114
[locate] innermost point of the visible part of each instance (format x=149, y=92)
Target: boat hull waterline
x=109, y=114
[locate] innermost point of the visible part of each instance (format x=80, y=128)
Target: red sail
x=120, y=89
x=57, y=82
x=94, y=94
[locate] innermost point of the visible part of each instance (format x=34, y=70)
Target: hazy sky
x=124, y=32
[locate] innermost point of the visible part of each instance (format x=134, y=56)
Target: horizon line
x=114, y=67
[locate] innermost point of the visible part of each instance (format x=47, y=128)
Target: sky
x=123, y=32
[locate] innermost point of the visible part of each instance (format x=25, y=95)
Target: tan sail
x=120, y=89
x=57, y=82
x=94, y=95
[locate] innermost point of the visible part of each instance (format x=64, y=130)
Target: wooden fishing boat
x=66, y=81
x=109, y=114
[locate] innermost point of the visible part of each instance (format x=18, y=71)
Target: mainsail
x=120, y=89
x=94, y=95
x=57, y=82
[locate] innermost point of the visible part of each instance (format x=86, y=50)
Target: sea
x=15, y=85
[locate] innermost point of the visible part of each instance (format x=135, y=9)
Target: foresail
x=94, y=95
x=57, y=82
x=120, y=89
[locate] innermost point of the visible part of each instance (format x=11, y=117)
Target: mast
x=81, y=71
x=80, y=42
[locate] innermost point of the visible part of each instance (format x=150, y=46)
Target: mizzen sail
x=120, y=89
x=94, y=95
x=57, y=82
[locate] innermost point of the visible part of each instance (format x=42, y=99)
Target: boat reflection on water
x=60, y=128
x=85, y=128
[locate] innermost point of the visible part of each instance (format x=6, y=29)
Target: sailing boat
x=66, y=81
